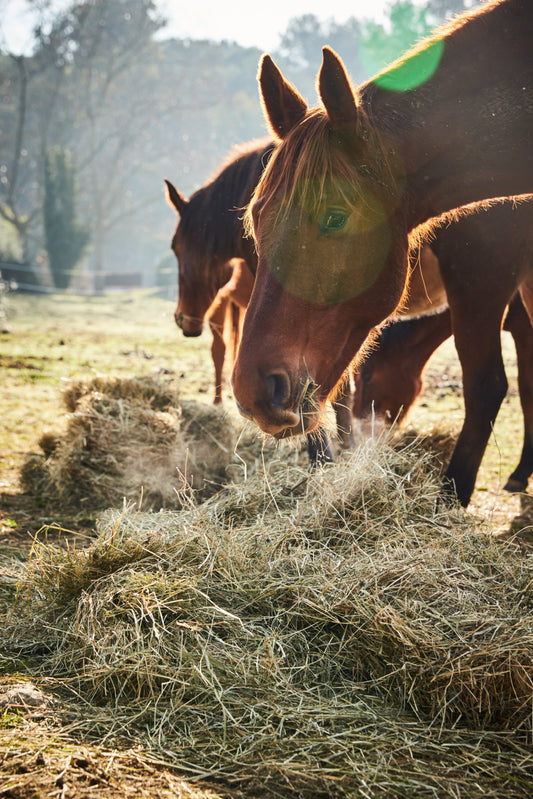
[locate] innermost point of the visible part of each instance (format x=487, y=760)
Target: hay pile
x=130, y=439
x=333, y=634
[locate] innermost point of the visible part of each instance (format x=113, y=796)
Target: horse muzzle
x=280, y=410
x=190, y=326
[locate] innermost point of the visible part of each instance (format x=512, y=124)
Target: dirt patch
x=30, y=362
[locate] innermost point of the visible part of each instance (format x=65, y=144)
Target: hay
x=438, y=442
x=130, y=439
x=335, y=634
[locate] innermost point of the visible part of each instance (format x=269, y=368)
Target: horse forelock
x=314, y=165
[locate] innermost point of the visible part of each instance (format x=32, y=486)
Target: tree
x=19, y=206
x=65, y=239
x=445, y=9
x=381, y=44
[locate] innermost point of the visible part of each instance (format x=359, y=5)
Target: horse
x=390, y=379
x=448, y=125
x=216, y=268
x=207, y=240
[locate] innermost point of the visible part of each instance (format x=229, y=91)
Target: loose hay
x=127, y=439
x=335, y=634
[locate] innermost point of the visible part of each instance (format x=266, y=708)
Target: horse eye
x=333, y=219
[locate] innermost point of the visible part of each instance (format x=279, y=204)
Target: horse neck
x=428, y=333
x=413, y=341
x=465, y=135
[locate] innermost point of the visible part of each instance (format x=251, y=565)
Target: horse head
x=328, y=196
x=200, y=272
x=385, y=384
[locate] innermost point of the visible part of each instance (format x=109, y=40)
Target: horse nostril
x=178, y=316
x=278, y=389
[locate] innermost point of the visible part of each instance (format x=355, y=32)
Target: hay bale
x=325, y=631
x=129, y=439
x=159, y=395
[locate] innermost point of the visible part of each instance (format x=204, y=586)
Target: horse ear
x=335, y=90
x=174, y=198
x=284, y=107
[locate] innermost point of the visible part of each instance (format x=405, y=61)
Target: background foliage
x=130, y=107
x=64, y=239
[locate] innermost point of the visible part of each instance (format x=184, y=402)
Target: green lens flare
x=328, y=266
x=414, y=71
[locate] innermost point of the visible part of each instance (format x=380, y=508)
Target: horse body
x=346, y=185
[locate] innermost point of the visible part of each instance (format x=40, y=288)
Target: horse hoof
x=514, y=486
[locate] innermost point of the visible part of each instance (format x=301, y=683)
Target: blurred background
x=99, y=101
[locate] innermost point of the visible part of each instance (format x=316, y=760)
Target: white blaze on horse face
x=329, y=257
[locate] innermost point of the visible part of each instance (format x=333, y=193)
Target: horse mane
x=214, y=211
x=313, y=164
x=425, y=233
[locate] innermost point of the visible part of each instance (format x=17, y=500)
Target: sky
x=256, y=23
x=250, y=23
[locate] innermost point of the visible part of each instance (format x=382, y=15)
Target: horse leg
x=518, y=324
x=218, y=346
x=319, y=448
x=476, y=327
x=241, y=283
x=342, y=405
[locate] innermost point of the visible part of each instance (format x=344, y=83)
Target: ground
x=49, y=340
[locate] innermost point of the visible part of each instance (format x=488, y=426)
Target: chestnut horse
x=449, y=124
x=208, y=236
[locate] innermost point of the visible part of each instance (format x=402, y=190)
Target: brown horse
x=208, y=236
x=391, y=378
x=448, y=125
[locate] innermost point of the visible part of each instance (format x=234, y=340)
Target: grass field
x=51, y=340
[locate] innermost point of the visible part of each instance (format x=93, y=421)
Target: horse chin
x=309, y=422
x=289, y=432
x=281, y=429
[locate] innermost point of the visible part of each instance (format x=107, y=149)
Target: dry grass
x=40, y=759
x=340, y=633
x=129, y=439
